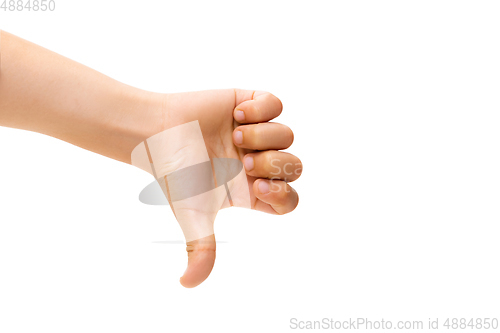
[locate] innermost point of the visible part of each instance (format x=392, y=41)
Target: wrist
x=141, y=115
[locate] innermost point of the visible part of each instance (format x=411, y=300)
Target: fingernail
x=263, y=187
x=239, y=115
x=249, y=164
x=238, y=137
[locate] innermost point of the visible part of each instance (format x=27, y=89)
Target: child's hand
x=234, y=124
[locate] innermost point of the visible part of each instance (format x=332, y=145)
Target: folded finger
x=263, y=136
x=262, y=107
x=278, y=194
x=273, y=164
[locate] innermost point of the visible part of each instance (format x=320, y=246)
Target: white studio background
x=396, y=112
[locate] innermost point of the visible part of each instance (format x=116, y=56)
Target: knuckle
x=296, y=203
x=290, y=135
x=298, y=168
x=279, y=106
x=274, y=105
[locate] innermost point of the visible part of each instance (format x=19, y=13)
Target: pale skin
x=44, y=92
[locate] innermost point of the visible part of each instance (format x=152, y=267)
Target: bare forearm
x=44, y=92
